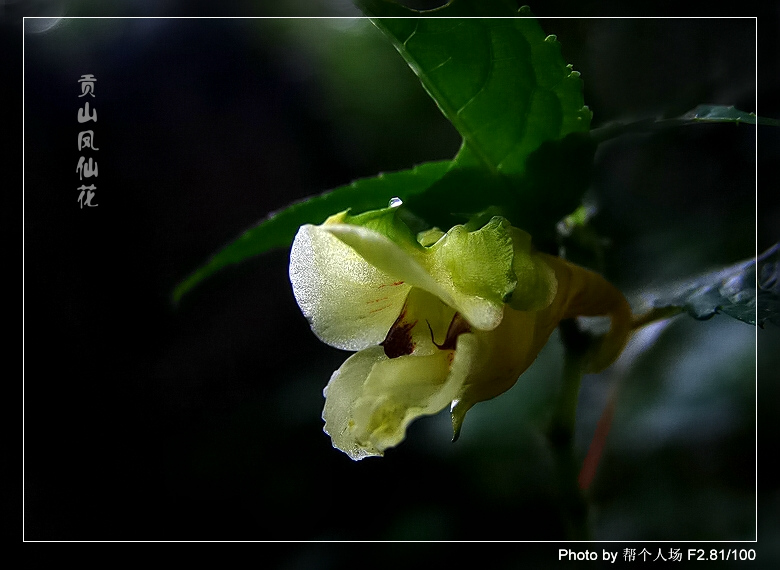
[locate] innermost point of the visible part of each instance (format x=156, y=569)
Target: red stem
x=591, y=462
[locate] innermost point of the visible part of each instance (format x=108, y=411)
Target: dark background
x=145, y=421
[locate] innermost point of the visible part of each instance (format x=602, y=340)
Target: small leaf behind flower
x=748, y=291
x=700, y=114
x=724, y=114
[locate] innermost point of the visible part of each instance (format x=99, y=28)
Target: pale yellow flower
x=437, y=320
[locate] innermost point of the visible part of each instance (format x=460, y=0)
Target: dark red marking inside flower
x=458, y=326
x=399, y=339
x=382, y=308
x=394, y=284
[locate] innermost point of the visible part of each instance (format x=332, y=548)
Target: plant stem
x=573, y=481
x=596, y=449
x=654, y=315
x=597, y=444
x=574, y=507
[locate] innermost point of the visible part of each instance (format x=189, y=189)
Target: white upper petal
x=350, y=303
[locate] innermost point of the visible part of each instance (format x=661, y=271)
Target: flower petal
x=350, y=303
x=583, y=293
x=343, y=389
x=386, y=255
x=371, y=399
x=476, y=268
x=470, y=271
x=494, y=359
x=374, y=396
x=536, y=282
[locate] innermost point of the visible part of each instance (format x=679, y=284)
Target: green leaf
x=502, y=82
x=557, y=175
x=454, y=8
x=735, y=291
x=700, y=114
x=507, y=89
x=279, y=228
x=724, y=114
x=768, y=287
